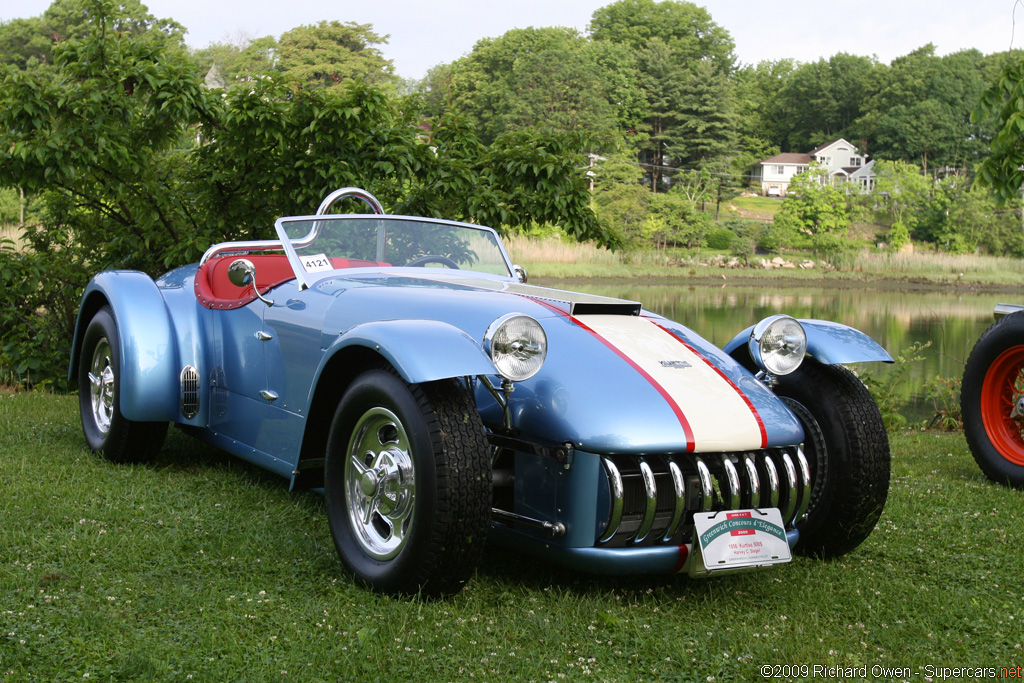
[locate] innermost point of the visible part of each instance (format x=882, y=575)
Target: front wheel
x=99, y=383
x=407, y=483
x=992, y=399
x=848, y=452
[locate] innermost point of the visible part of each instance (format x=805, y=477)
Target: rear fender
x=827, y=342
x=149, y=379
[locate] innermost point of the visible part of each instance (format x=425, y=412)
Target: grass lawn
x=200, y=567
x=762, y=208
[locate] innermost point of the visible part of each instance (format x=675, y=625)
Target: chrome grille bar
x=773, y=482
x=753, y=481
x=731, y=492
x=615, y=484
x=651, y=494
x=792, y=492
x=679, y=486
x=805, y=485
x=707, y=498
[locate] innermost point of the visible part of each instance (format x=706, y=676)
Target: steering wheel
x=432, y=258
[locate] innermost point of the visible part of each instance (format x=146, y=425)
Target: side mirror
x=242, y=273
x=520, y=272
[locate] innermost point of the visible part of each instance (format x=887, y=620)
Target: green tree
x=620, y=200
x=26, y=43
x=823, y=99
x=548, y=78
x=762, y=122
x=1003, y=101
x=901, y=191
x=685, y=28
x=661, y=78
x=243, y=60
x=814, y=205
x=706, y=124
x=674, y=219
x=330, y=52
x=921, y=110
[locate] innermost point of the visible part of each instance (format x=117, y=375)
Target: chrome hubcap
x=101, y=386
x=380, y=485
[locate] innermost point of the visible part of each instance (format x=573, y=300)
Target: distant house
x=841, y=158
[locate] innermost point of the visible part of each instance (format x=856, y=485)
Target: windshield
x=330, y=242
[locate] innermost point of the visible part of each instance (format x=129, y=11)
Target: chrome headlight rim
x=516, y=356
x=766, y=351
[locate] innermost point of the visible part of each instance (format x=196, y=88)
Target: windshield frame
x=289, y=245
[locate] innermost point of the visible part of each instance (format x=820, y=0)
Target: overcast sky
x=424, y=33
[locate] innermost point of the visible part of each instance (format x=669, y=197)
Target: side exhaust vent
x=189, y=392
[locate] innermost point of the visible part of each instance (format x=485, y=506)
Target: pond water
x=895, y=318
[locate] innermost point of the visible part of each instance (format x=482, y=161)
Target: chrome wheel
x=380, y=483
x=101, y=385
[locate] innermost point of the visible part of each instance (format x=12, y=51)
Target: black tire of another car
x=99, y=388
x=848, y=451
x=993, y=384
x=407, y=483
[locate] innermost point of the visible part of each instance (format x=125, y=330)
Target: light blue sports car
x=404, y=366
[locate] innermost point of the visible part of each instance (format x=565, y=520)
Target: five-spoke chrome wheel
x=101, y=385
x=99, y=400
x=407, y=482
x=380, y=483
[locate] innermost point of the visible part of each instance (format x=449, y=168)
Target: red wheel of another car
x=992, y=397
x=1000, y=392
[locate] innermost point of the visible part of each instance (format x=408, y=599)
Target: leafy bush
x=720, y=239
x=886, y=390
x=38, y=313
x=944, y=393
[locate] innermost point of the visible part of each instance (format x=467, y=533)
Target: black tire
x=847, y=449
x=99, y=385
x=407, y=483
x=993, y=385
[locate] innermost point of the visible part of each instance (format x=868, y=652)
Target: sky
x=424, y=33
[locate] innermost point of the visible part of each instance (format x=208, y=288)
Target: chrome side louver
x=189, y=392
x=653, y=498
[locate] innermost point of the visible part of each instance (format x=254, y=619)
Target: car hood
x=617, y=379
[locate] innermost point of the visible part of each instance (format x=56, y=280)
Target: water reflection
x=952, y=322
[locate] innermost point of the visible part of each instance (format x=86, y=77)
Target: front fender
x=148, y=365
x=829, y=343
x=420, y=350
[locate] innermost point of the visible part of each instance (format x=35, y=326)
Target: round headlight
x=517, y=346
x=778, y=344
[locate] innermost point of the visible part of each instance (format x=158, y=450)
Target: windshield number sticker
x=316, y=262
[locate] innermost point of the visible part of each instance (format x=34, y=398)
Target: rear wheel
x=848, y=452
x=99, y=382
x=408, y=484
x=992, y=398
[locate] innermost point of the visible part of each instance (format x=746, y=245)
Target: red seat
x=215, y=290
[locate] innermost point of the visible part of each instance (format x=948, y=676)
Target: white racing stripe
x=719, y=417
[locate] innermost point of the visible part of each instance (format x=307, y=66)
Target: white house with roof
x=839, y=157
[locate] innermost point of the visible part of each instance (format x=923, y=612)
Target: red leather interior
x=214, y=289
